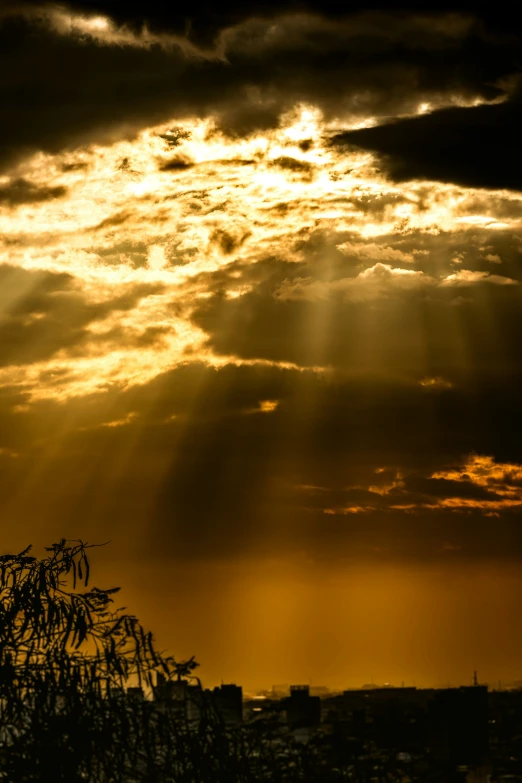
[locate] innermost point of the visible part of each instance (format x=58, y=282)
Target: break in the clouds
x=260, y=278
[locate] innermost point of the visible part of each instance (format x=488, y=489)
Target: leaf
x=81, y=630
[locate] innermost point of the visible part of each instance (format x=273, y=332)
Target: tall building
x=228, y=701
x=178, y=696
x=459, y=725
x=302, y=710
x=174, y=690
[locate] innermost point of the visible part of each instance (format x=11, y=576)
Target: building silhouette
x=458, y=720
x=228, y=702
x=302, y=710
x=178, y=696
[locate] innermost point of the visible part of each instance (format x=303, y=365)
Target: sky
x=260, y=327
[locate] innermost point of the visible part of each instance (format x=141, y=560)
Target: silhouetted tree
x=66, y=657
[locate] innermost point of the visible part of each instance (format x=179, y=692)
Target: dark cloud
x=302, y=168
x=20, y=191
x=249, y=474
x=44, y=313
x=446, y=488
x=118, y=219
x=177, y=163
x=374, y=64
x=421, y=330
x=210, y=475
x=228, y=242
x=201, y=21
x=476, y=147
x=15, y=282
x=194, y=458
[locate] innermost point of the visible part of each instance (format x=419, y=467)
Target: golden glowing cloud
x=174, y=207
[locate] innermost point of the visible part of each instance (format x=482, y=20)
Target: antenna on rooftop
x=475, y=680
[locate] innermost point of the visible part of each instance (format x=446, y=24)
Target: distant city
x=470, y=734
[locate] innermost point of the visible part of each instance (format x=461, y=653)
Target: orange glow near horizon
x=264, y=623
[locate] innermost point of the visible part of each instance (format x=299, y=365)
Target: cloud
x=435, y=383
x=479, y=485
x=302, y=167
x=103, y=31
x=254, y=310
x=229, y=476
x=177, y=163
x=373, y=283
x=43, y=314
x=369, y=251
x=256, y=265
x=407, y=322
x=134, y=68
x=20, y=191
x=474, y=147
x=466, y=277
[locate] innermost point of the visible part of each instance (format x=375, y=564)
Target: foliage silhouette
x=66, y=657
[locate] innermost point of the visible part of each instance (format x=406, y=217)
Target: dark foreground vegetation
x=67, y=657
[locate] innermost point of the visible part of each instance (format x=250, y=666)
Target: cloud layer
x=257, y=264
